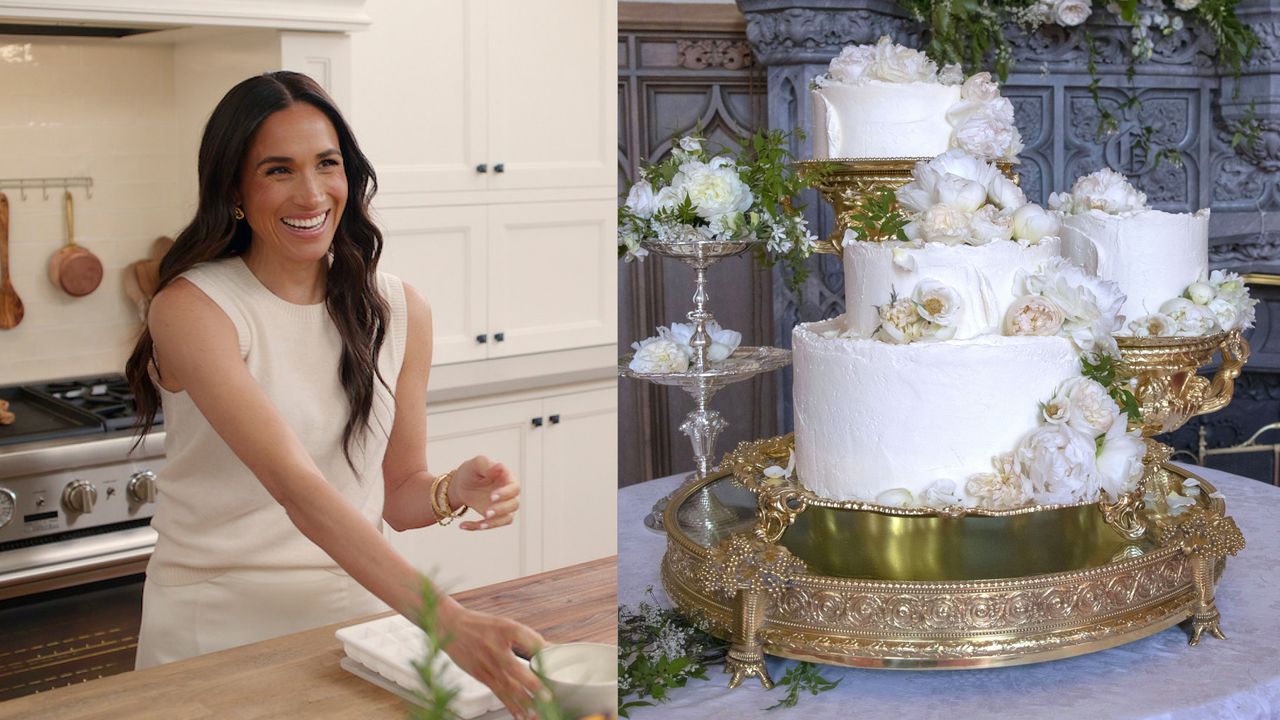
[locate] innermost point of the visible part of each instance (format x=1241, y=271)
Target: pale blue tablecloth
x=1158, y=677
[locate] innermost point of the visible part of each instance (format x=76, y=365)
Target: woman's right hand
x=485, y=646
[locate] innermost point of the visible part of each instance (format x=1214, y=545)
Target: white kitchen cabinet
x=562, y=444
x=498, y=95
x=508, y=279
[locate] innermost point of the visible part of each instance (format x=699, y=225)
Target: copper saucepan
x=74, y=268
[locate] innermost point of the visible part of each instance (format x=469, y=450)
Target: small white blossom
x=658, y=355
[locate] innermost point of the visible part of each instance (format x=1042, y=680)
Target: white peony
x=1090, y=410
x=900, y=64
x=1156, y=325
x=850, y=66
x=945, y=224
x=985, y=129
x=670, y=196
x=659, y=355
x=1192, y=319
x=961, y=164
x=951, y=74
x=1069, y=13
x=641, y=199
x=1120, y=460
x=1058, y=464
x=936, y=302
x=988, y=225
x=1063, y=202
x=1108, y=191
x=962, y=194
x=1033, y=315
x=980, y=87
x=941, y=493
x=691, y=145
x=900, y=323
x=723, y=342
x=1200, y=293
x=714, y=188
x=1033, y=223
x=1226, y=312
x=1090, y=306
x=1006, y=194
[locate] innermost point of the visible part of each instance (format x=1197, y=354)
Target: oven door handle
x=55, y=565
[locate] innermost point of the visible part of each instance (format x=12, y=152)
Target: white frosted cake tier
x=882, y=120
x=983, y=275
x=872, y=417
x=1152, y=255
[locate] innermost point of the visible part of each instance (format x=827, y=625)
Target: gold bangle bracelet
x=440, y=499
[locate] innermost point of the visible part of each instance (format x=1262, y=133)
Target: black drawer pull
x=537, y=422
x=482, y=339
x=499, y=337
x=555, y=419
x=483, y=168
x=500, y=167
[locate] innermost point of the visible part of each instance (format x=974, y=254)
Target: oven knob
x=142, y=487
x=79, y=497
x=8, y=504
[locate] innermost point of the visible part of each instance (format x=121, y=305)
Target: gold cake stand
x=778, y=570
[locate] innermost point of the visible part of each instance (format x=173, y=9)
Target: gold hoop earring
x=239, y=214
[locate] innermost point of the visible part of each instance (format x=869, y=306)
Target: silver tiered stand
x=704, y=378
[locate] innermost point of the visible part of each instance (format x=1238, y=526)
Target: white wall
x=91, y=108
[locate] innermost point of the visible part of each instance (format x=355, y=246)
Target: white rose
x=1005, y=193
x=1200, y=293
x=1157, y=325
x=980, y=87
x=961, y=194
x=1033, y=315
x=996, y=491
x=989, y=225
x=1120, y=460
x=951, y=74
x=945, y=224
x=657, y=355
x=1056, y=410
x=1227, y=313
x=1108, y=191
x=1192, y=319
x=936, y=302
x=690, y=144
x=641, y=200
x=1058, y=464
x=900, y=64
x=1061, y=202
x=715, y=188
x=900, y=323
x=1186, y=5
x=670, y=196
x=941, y=493
x=1069, y=13
x=1033, y=223
x=1090, y=409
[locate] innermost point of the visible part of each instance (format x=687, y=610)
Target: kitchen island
x=297, y=676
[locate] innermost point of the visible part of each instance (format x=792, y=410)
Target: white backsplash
x=96, y=108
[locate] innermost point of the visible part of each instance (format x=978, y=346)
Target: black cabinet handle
x=483, y=168
x=500, y=167
x=555, y=419
x=537, y=422
x=482, y=339
x=499, y=337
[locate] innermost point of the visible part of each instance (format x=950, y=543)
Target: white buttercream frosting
x=982, y=275
x=871, y=418
x=1152, y=255
x=882, y=119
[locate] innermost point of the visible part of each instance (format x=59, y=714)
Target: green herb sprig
x=879, y=217
x=658, y=651
x=803, y=677
x=1102, y=369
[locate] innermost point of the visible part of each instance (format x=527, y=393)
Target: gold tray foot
x=1205, y=621
x=746, y=655
x=744, y=662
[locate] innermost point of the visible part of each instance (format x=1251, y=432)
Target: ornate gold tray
x=869, y=589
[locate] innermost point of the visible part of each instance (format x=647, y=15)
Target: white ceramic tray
x=388, y=647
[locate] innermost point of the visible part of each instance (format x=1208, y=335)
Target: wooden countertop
x=297, y=676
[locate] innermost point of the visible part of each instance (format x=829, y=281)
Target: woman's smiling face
x=293, y=186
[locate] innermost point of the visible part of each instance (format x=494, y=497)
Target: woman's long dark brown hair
x=351, y=294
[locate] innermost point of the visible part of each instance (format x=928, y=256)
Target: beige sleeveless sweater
x=213, y=514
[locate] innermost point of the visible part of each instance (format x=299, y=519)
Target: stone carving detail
x=708, y=53
x=821, y=33
x=1245, y=250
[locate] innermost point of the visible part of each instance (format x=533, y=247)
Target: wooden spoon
x=10, y=303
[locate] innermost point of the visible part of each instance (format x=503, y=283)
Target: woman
x=293, y=378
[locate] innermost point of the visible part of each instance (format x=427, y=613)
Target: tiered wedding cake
x=957, y=375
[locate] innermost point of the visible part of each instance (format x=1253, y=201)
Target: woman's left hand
x=488, y=488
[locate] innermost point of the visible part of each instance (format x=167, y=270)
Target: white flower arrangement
x=981, y=121
x=930, y=314
x=1060, y=298
x=1219, y=304
x=670, y=350
x=958, y=198
x=1105, y=190
x=695, y=195
x=1081, y=452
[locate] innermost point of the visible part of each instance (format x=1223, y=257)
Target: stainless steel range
x=75, y=536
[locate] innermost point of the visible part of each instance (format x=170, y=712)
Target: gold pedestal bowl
x=797, y=576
